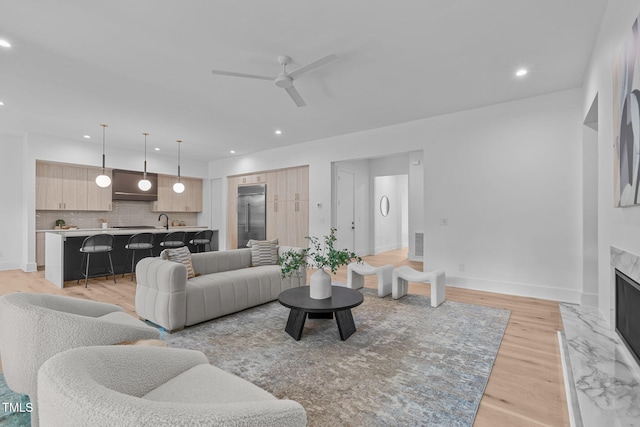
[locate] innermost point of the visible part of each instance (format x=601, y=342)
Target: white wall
x=20, y=163
x=11, y=245
x=507, y=176
x=619, y=227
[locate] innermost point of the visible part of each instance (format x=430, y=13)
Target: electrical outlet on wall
x=461, y=266
x=443, y=222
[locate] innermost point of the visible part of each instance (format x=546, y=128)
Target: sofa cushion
x=214, y=295
x=263, y=252
x=181, y=255
x=205, y=384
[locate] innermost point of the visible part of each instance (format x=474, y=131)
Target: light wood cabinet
x=297, y=182
x=48, y=186
x=287, y=205
x=98, y=198
x=193, y=192
x=232, y=212
x=74, y=189
x=71, y=188
x=40, y=249
x=259, y=178
x=190, y=200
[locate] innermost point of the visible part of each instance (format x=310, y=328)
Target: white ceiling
x=145, y=65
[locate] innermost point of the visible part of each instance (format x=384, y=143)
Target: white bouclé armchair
x=35, y=327
x=137, y=386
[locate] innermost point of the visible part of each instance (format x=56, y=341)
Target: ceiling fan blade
x=313, y=65
x=234, y=74
x=293, y=93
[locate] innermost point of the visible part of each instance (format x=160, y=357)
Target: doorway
x=391, y=212
x=345, y=210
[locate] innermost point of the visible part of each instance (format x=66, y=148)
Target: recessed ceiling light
x=5, y=43
x=157, y=149
x=278, y=132
x=232, y=151
x=521, y=72
x=87, y=136
x=1, y=103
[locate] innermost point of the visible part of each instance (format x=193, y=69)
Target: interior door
x=345, y=215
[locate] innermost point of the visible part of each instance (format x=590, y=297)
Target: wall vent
x=418, y=244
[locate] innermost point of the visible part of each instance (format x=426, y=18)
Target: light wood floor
x=525, y=387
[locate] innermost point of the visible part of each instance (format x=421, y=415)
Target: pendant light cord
x=103, y=156
x=179, y=143
x=145, y=154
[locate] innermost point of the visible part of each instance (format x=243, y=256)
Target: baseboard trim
x=386, y=248
x=518, y=289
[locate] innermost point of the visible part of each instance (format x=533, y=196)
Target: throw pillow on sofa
x=263, y=252
x=181, y=255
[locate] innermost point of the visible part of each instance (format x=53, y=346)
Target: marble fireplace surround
x=601, y=375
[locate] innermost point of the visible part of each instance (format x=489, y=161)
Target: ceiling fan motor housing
x=283, y=81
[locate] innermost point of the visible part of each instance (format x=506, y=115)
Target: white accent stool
x=405, y=274
x=357, y=271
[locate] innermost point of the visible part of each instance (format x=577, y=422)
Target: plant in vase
x=322, y=255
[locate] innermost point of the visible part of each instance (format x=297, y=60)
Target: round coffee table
x=341, y=302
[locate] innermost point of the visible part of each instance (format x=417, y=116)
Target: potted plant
x=322, y=255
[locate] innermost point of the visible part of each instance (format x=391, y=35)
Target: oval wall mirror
x=384, y=206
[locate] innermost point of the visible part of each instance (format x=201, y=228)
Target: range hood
x=125, y=186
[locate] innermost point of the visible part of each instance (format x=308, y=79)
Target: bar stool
x=97, y=244
x=202, y=238
x=139, y=242
x=174, y=239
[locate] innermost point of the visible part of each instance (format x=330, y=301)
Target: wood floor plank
x=526, y=384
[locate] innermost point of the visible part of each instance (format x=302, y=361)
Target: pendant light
x=178, y=187
x=103, y=180
x=144, y=184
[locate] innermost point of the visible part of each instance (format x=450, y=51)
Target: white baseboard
x=380, y=249
x=518, y=289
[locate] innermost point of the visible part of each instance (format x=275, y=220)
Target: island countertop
x=116, y=231
x=63, y=259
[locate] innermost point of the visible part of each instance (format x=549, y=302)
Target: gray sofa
x=226, y=284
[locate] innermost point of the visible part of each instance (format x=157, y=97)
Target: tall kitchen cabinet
x=71, y=188
x=287, y=205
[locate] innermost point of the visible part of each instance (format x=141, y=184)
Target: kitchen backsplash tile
x=124, y=213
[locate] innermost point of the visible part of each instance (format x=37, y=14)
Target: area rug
x=407, y=364
x=13, y=407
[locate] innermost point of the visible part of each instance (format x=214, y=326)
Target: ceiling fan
x=285, y=79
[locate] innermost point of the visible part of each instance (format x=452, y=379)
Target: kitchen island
x=63, y=256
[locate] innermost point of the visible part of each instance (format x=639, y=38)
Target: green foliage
x=320, y=254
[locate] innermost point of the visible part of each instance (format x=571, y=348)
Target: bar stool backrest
x=172, y=239
x=203, y=237
x=98, y=243
x=141, y=241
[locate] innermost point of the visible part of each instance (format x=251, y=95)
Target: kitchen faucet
x=165, y=215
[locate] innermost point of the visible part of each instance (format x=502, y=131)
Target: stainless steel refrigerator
x=252, y=214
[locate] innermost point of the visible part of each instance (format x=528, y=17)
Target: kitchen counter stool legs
x=97, y=244
x=140, y=241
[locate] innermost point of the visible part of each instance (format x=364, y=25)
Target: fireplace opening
x=628, y=313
